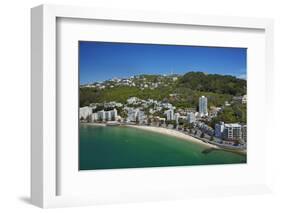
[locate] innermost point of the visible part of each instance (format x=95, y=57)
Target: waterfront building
x=101, y=115
x=107, y=115
x=114, y=114
x=190, y=117
x=232, y=131
x=141, y=116
x=94, y=117
x=110, y=115
x=170, y=114
x=135, y=115
x=205, y=128
x=244, y=133
x=85, y=112
x=203, y=106
x=176, y=117
x=131, y=114
x=219, y=129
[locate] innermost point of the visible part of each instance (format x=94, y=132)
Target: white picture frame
x=44, y=149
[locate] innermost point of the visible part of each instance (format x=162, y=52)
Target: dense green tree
x=236, y=113
x=224, y=84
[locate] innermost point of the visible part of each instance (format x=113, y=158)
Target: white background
x=15, y=106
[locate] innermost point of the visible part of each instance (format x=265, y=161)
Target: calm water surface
x=125, y=147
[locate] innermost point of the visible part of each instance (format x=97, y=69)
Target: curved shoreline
x=93, y=124
x=164, y=131
x=177, y=134
x=174, y=133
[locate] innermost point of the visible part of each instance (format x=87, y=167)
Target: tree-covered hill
x=224, y=84
x=182, y=91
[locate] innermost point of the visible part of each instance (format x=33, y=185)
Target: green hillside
x=182, y=91
x=223, y=84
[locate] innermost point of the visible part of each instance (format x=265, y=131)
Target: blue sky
x=100, y=61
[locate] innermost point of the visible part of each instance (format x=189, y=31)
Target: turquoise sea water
x=126, y=147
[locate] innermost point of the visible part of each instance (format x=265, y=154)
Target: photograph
x=160, y=105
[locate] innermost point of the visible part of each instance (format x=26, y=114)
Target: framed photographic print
x=138, y=112
x=133, y=106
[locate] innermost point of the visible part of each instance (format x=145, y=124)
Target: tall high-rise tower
x=203, y=106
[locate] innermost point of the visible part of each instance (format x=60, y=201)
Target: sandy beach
x=174, y=133
x=93, y=124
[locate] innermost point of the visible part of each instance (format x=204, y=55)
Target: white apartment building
x=170, y=114
x=203, y=106
x=94, y=117
x=190, y=117
x=101, y=115
x=84, y=112
x=114, y=114
x=232, y=131
x=135, y=114
x=141, y=116
x=176, y=117
x=131, y=114
x=107, y=115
